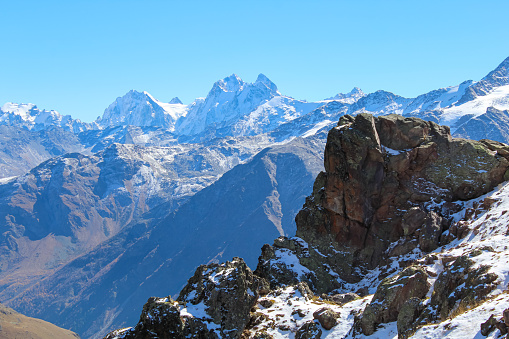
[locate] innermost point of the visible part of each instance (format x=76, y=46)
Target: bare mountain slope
x=15, y=325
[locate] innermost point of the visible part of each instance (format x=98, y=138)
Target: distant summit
x=175, y=101
x=141, y=109
x=262, y=79
x=349, y=98
x=230, y=106
x=496, y=78
x=30, y=117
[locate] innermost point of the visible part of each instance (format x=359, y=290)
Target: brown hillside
x=14, y=325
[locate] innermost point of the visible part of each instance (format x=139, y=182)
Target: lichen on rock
x=392, y=178
x=391, y=295
x=459, y=286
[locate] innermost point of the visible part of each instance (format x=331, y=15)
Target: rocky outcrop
x=275, y=266
x=215, y=303
x=393, y=295
x=389, y=187
x=162, y=318
x=227, y=292
x=458, y=287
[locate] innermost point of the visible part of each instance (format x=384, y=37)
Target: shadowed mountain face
x=246, y=207
x=159, y=188
x=69, y=204
x=494, y=124
x=21, y=149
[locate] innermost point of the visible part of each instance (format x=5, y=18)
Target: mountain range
x=97, y=217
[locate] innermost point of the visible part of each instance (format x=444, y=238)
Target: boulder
x=489, y=325
x=341, y=298
x=407, y=315
x=431, y=230
x=326, y=317
x=391, y=295
x=309, y=330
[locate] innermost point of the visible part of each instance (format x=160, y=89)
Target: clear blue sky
x=77, y=56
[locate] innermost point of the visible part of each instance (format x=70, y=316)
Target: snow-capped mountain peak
x=233, y=83
x=499, y=74
x=348, y=98
x=142, y=109
x=230, y=100
x=176, y=101
x=262, y=79
x=496, y=78
x=18, y=109
x=32, y=118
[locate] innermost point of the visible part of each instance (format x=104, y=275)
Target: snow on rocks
x=290, y=312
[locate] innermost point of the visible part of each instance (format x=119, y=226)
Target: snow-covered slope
x=234, y=107
x=494, y=125
x=30, y=117
x=454, y=115
x=348, y=98
x=142, y=109
x=437, y=99
x=496, y=78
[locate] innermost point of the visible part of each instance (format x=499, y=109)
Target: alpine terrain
x=388, y=214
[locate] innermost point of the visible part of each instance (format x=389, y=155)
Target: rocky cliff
x=410, y=219
x=390, y=186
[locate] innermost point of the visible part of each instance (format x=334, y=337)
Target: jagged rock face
x=460, y=285
x=228, y=292
x=215, y=303
x=392, y=178
x=392, y=295
x=161, y=318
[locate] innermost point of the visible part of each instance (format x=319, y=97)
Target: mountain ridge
x=141, y=174
x=233, y=107
x=434, y=265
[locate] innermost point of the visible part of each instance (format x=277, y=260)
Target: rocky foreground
x=405, y=234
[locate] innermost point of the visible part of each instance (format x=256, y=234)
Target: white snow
x=468, y=324
x=498, y=98
x=316, y=128
x=287, y=301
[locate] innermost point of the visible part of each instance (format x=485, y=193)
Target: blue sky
x=77, y=56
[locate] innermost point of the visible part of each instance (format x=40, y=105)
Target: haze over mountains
x=97, y=217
